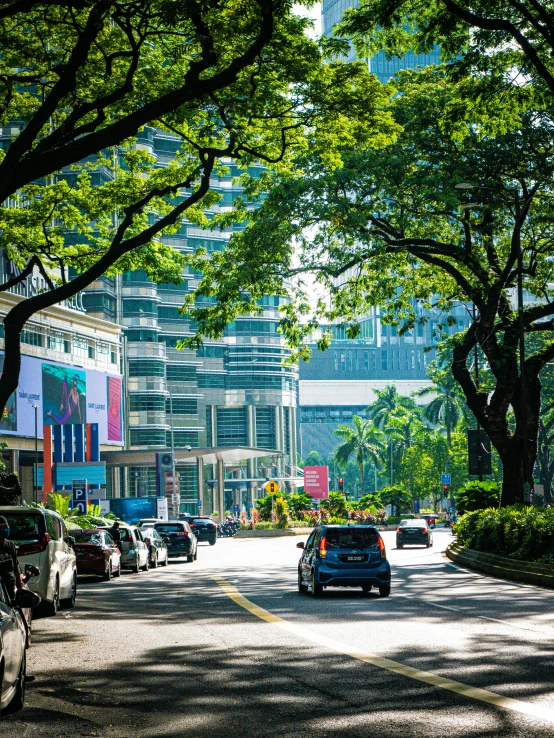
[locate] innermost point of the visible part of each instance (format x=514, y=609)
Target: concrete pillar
x=221, y=489
x=279, y=446
x=292, y=443
x=14, y=461
x=251, y=467
x=126, y=492
x=200, y=484
x=116, y=487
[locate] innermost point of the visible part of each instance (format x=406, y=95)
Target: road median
x=525, y=572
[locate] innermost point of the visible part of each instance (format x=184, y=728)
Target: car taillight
x=323, y=547
x=35, y=546
x=424, y=530
x=399, y=530
x=193, y=525
x=182, y=535
x=381, y=543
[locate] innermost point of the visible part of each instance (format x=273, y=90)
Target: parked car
x=13, y=637
x=411, y=532
x=179, y=537
x=430, y=520
x=157, y=547
x=203, y=528
x=96, y=553
x=134, y=551
x=344, y=556
x=43, y=541
x=148, y=522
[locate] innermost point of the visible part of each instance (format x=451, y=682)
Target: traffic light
x=341, y=484
x=444, y=489
x=272, y=488
x=479, y=452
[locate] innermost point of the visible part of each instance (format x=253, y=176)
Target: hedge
x=519, y=532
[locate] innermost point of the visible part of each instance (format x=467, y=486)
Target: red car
x=96, y=553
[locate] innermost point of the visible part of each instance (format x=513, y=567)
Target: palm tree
x=388, y=404
x=364, y=440
x=447, y=408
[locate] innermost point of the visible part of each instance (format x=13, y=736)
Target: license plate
x=355, y=558
x=80, y=553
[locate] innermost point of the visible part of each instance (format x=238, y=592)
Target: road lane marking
x=435, y=680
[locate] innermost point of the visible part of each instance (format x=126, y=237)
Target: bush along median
x=517, y=532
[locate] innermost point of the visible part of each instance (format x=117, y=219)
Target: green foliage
x=281, y=513
x=61, y=504
x=298, y=502
x=264, y=506
x=363, y=440
x=396, y=496
x=478, y=496
x=517, y=531
x=335, y=504
x=264, y=525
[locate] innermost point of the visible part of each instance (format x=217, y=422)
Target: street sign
x=79, y=496
x=271, y=487
x=236, y=507
x=446, y=479
x=416, y=506
x=200, y=504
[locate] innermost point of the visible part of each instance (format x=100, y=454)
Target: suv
x=134, y=551
x=42, y=540
x=179, y=537
x=344, y=556
x=203, y=528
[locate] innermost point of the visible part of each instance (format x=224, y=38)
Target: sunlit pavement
x=168, y=653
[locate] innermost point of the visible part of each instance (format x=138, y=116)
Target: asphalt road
x=226, y=647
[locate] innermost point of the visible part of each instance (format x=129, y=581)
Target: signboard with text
x=316, y=482
x=79, y=496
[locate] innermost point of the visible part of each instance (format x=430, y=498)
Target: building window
x=366, y=361
x=231, y=426
x=350, y=361
x=384, y=361
x=103, y=352
x=80, y=347
x=336, y=356
x=343, y=361
x=265, y=427
x=181, y=373
x=145, y=368
x=32, y=338
x=182, y=405
x=56, y=341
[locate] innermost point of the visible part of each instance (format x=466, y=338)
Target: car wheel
x=166, y=562
x=28, y=631
x=429, y=544
x=196, y=553
x=146, y=567
x=190, y=557
x=108, y=574
x=399, y=545
x=366, y=588
x=384, y=590
x=51, y=608
x=317, y=589
x=154, y=563
x=69, y=602
x=18, y=699
x=136, y=568
x=302, y=588
x=212, y=543
x=117, y=572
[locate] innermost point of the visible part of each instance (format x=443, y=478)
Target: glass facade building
x=230, y=392
x=332, y=12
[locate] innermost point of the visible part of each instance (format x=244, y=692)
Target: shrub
x=264, y=525
x=281, y=512
x=299, y=524
x=478, y=496
x=520, y=532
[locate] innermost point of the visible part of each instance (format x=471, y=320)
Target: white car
x=13, y=637
x=134, y=551
x=42, y=540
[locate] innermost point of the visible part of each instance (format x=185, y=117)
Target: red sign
x=316, y=482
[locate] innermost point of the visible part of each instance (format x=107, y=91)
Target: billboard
x=316, y=482
x=64, y=395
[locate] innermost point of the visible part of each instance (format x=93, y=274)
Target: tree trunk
x=361, y=479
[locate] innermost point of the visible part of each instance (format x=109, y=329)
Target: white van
x=42, y=540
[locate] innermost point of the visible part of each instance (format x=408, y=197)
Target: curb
x=525, y=572
x=273, y=533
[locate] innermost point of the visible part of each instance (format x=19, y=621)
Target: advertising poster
x=316, y=482
x=114, y=391
x=8, y=421
x=64, y=395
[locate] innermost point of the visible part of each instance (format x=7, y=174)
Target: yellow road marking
x=475, y=693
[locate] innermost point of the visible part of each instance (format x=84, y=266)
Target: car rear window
x=202, y=521
x=85, y=536
x=25, y=526
x=356, y=538
x=126, y=535
x=169, y=528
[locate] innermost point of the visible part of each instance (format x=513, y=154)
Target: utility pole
x=35, y=475
x=479, y=447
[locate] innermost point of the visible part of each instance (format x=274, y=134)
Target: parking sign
x=79, y=496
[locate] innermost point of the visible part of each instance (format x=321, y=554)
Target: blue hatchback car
x=344, y=556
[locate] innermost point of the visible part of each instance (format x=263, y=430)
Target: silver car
x=134, y=551
x=13, y=637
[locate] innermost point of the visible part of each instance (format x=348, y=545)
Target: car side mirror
x=26, y=599
x=70, y=541
x=300, y=544
x=31, y=570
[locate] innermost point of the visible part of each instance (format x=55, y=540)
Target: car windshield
x=356, y=538
x=86, y=536
x=25, y=526
x=169, y=528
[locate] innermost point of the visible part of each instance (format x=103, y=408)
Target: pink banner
x=316, y=482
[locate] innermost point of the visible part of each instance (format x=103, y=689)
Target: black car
x=203, y=528
x=413, y=532
x=179, y=537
